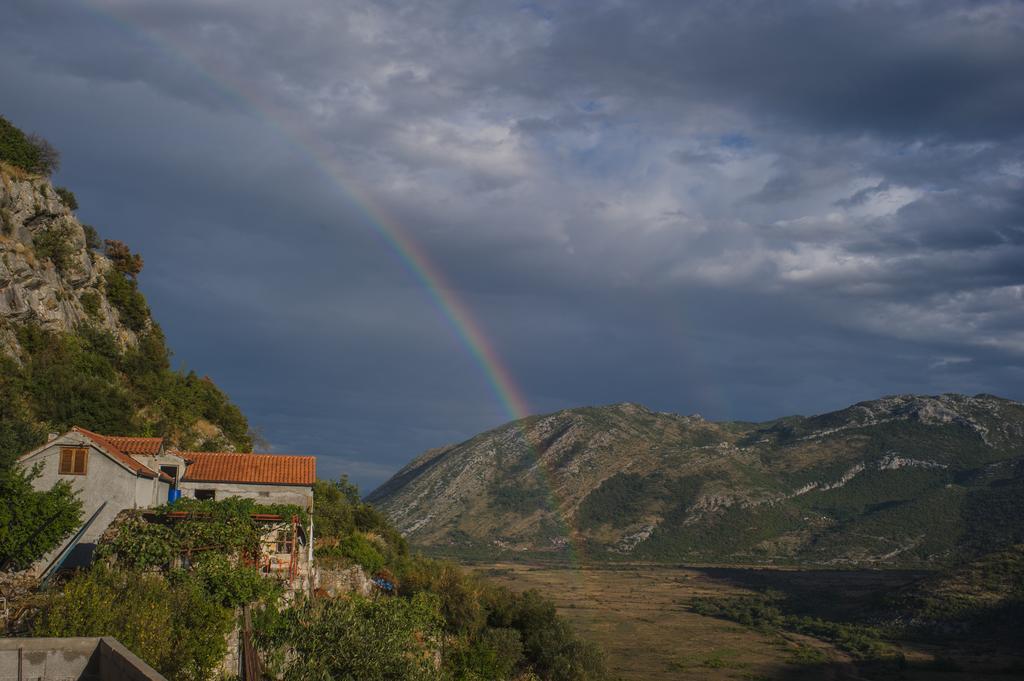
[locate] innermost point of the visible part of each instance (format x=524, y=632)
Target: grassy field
x=641, y=615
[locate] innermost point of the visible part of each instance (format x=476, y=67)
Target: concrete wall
x=71, y=659
x=150, y=493
x=266, y=494
x=117, y=663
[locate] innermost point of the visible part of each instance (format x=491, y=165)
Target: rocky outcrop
x=48, y=274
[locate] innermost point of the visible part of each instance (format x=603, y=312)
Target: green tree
x=459, y=593
x=123, y=293
x=495, y=655
x=31, y=153
x=33, y=522
x=332, y=509
x=359, y=639
x=553, y=649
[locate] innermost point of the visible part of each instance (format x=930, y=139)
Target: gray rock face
x=32, y=287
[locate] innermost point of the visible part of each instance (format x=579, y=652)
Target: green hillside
x=900, y=481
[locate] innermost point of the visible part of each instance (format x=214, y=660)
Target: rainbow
x=412, y=255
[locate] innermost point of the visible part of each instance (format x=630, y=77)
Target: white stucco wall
x=267, y=494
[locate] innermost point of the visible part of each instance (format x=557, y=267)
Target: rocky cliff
x=48, y=274
x=900, y=480
x=78, y=345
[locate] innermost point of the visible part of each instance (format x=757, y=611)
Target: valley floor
x=640, y=615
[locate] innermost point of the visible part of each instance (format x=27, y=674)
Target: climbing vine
x=226, y=527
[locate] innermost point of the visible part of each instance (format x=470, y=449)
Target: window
x=284, y=541
x=171, y=471
x=205, y=494
x=74, y=461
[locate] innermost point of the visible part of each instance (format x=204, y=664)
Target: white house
x=114, y=473
x=108, y=479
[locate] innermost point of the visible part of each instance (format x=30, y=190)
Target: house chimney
x=50, y=437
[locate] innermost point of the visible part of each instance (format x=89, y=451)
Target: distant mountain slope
x=903, y=480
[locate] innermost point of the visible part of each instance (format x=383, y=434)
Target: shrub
x=549, y=643
x=233, y=585
x=90, y=301
x=87, y=379
x=28, y=152
x=47, y=157
x=763, y=612
x=494, y=655
x=358, y=549
x=124, y=295
x=92, y=238
x=357, y=638
x=124, y=260
x=345, y=524
x=171, y=624
x=142, y=545
x=19, y=430
x=55, y=245
x=459, y=593
x=67, y=197
x=332, y=512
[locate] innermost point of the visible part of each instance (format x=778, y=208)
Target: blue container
x=173, y=495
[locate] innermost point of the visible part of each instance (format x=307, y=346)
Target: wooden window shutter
x=67, y=461
x=74, y=461
x=81, y=461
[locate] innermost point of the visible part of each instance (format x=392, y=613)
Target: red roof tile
x=145, y=446
x=108, y=444
x=266, y=469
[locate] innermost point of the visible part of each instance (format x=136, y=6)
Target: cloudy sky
x=743, y=209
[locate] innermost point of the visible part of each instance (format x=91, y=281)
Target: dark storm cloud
x=915, y=69
x=736, y=208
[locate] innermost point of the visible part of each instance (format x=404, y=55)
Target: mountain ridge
x=862, y=485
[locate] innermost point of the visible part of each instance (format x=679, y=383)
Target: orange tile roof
x=108, y=444
x=145, y=446
x=260, y=469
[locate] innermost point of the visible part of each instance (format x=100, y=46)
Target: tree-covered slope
x=903, y=480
